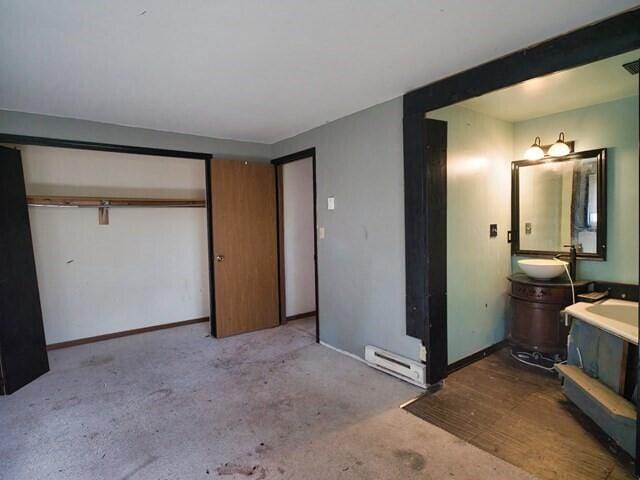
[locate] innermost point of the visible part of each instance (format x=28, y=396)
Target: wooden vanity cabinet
x=536, y=323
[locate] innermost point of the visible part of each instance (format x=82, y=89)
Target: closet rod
x=108, y=205
x=111, y=202
x=104, y=204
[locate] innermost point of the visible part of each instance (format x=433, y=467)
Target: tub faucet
x=573, y=260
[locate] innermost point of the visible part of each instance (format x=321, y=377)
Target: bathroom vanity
x=536, y=323
x=558, y=212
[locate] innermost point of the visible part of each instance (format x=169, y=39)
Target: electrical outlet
x=331, y=203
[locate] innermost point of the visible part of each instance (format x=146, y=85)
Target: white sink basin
x=542, y=268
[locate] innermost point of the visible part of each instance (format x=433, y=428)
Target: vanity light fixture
x=560, y=148
x=534, y=152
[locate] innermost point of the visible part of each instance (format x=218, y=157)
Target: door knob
x=219, y=258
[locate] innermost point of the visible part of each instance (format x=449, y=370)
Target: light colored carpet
x=177, y=404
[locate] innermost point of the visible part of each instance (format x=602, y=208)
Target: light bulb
x=534, y=152
x=560, y=148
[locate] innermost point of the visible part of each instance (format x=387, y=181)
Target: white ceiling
x=591, y=84
x=249, y=69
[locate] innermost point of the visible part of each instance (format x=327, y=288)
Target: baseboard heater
x=400, y=367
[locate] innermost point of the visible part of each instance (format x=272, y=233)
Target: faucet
x=573, y=260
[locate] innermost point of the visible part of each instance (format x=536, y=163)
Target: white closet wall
x=147, y=267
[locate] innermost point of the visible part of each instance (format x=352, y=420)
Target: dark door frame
x=131, y=149
x=278, y=162
x=425, y=184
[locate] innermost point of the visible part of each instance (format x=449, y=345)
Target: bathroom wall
x=613, y=125
x=147, y=267
x=480, y=151
x=479, y=155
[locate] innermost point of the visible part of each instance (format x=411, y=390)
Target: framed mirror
x=558, y=202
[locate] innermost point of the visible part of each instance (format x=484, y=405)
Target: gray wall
x=361, y=260
x=359, y=161
x=18, y=123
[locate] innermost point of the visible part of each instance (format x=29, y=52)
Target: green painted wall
x=479, y=155
x=480, y=150
x=613, y=125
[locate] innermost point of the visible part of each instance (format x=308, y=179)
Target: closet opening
x=119, y=240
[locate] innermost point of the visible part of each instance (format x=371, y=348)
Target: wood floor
x=520, y=414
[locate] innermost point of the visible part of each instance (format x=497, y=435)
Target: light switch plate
x=331, y=203
x=528, y=228
x=321, y=233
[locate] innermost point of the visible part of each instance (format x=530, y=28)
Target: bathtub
x=617, y=317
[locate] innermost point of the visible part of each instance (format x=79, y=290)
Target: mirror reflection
x=558, y=203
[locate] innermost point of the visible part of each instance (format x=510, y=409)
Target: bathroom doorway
x=297, y=240
x=493, y=331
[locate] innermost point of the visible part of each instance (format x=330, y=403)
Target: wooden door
x=244, y=246
x=23, y=354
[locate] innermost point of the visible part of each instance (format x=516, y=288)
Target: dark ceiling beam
x=594, y=42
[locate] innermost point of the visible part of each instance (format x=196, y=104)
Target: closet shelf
x=110, y=202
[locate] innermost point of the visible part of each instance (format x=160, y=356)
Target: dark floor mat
x=520, y=415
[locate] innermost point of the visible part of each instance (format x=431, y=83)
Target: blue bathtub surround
x=597, y=379
x=599, y=354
